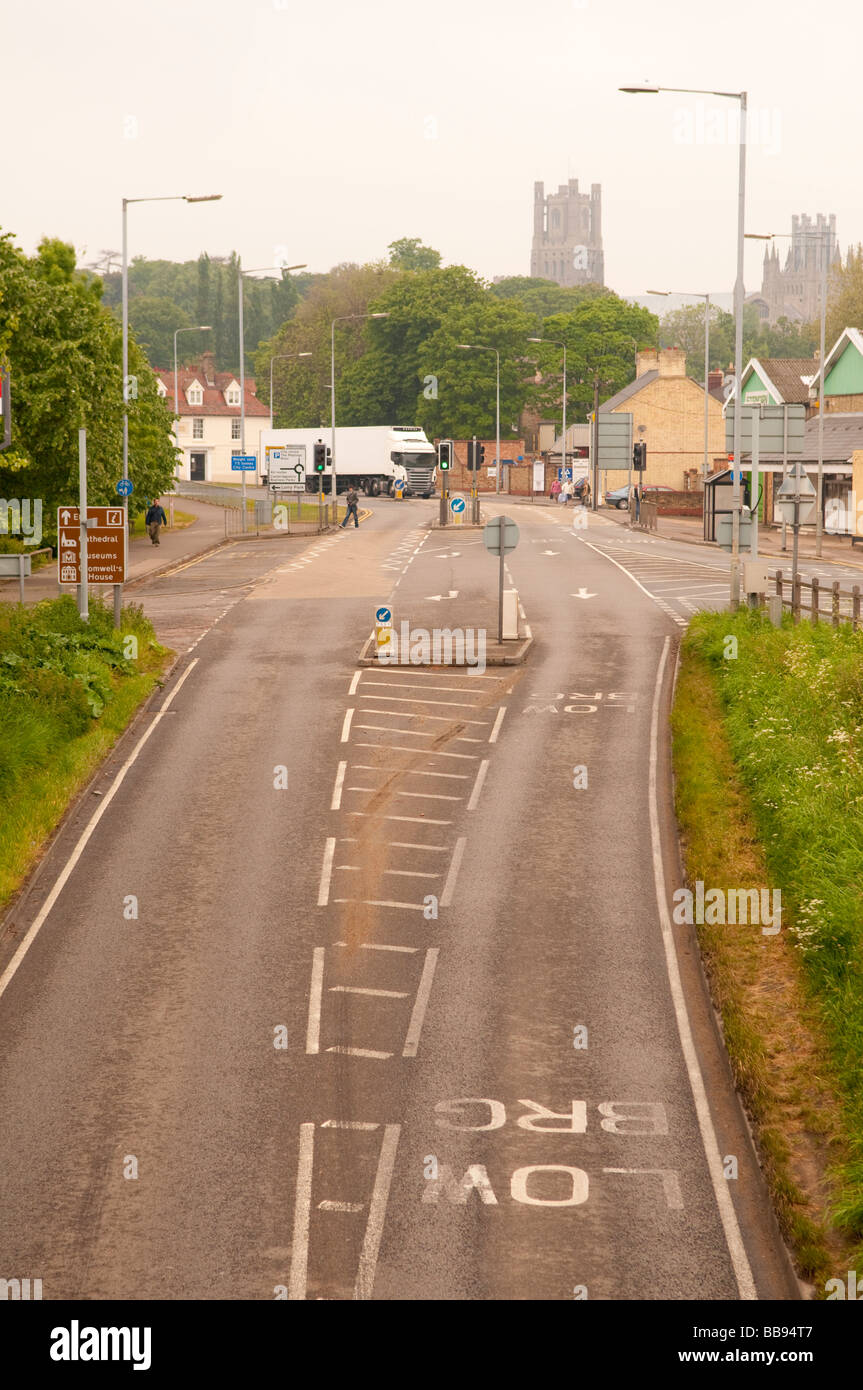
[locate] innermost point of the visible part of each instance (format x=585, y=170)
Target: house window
x=233, y=396
x=197, y=429
x=195, y=395
x=235, y=429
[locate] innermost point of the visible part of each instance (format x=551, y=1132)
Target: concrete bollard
x=774, y=609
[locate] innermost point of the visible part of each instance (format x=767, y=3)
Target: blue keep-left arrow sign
x=383, y=615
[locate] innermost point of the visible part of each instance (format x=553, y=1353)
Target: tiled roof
x=213, y=396
x=630, y=390
x=786, y=374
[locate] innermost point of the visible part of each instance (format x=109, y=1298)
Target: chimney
x=208, y=367
x=672, y=362
x=646, y=360
x=714, y=381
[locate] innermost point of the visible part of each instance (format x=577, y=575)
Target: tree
x=602, y=335
x=541, y=298
x=409, y=254
x=844, y=297
x=64, y=350
x=154, y=320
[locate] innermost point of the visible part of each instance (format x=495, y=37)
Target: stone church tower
x=793, y=291
x=567, y=235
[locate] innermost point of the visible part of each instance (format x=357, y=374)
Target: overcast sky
x=332, y=127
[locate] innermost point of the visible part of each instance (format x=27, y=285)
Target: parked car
x=619, y=496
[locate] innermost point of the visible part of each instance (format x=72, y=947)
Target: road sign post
x=83, y=608
x=500, y=536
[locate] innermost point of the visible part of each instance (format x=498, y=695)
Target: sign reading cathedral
x=567, y=235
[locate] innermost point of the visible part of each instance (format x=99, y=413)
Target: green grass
x=67, y=690
x=768, y=749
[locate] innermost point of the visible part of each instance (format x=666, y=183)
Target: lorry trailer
x=371, y=458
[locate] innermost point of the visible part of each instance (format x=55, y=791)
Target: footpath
x=145, y=560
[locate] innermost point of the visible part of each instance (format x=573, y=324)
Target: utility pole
x=594, y=446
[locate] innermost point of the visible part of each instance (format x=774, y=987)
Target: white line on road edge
x=337, y=789
x=11, y=968
x=313, y=1031
x=326, y=872
x=377, y=1212
x=346, y=727
x=492, y=738
x=355, y=682
x=477, y=786
x=455, y=865
x=669, y=613
x=302, y=1213
x=412, y=1041
x=728, y=1216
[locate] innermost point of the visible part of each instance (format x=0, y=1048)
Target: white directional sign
x=286, y=467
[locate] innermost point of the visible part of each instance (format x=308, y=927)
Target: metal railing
x=840, y=605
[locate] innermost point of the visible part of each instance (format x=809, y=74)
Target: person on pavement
x=352, y=498
x=555, y=490
x=566, y=493
x=155, y=520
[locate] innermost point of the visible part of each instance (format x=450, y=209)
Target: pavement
x=365, y=978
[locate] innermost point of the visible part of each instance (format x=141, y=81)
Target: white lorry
x=370, y=458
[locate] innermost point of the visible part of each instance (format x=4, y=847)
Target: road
x=340, y=983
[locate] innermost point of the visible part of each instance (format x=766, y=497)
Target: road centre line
x=69, y=866
x=412, y=1041
x=478, y=784
x=727, y=1214
x=313, y=1030
x=346, y=726
x=337, y=789
x=377, y=1213
x=492, y=738
x=302, y=1213
x=326, y=872
x=452, y=873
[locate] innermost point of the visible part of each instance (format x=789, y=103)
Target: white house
x=208, y=431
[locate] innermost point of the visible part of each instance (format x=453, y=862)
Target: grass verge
x=67, y=691
x=768, y=760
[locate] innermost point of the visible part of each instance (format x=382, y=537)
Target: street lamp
x=740, y=97
x=200, y=328
x=823, y=241
x=240, y=273
x=342, y=318
x=174, y=198
x=282, y=357
x=694, y=294
x=557, y=343
x=481, y=347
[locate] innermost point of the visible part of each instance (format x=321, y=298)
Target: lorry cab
x=414, y=455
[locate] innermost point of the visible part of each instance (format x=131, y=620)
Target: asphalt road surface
x=350, y=982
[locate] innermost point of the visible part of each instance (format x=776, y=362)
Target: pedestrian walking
x=155, y=520
x=566, y=493
x=555, y=490
x=352, y=498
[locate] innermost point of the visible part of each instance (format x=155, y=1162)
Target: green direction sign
x=614, y=445
x=771, y=428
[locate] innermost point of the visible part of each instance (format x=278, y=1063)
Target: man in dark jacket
x=352, y=498
x=155, y=520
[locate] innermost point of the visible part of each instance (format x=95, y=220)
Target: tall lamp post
x=200, y=328
x=481, y=347
x=824, y=257
x=740, y=97
x=557, y=343
x=173, y=198
x=255, y=270
x=282, y=357
x=342, y=318
x=694, y=294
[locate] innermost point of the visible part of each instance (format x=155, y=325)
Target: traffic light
x=471, y=455
x=480, y=455
x=444, y=455
x=639, y=457
x=320, y=455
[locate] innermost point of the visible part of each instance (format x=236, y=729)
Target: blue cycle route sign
x=125, y=487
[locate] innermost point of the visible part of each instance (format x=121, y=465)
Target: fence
x=263, y=518
x=841, y=605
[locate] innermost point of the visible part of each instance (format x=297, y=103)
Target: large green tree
x=408, y=253
x=64, y=352
x=684, y=328
x=602, y=336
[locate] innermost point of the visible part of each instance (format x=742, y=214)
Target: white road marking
x=660, y=603
x=410, y=771
x=326, y=872
x=452, y=873
x=409, y=700
x=313, y=1029
x=377, y=1213
x=349, y=1124
x=337, y=789
x=438, y=718
x=412, y=1041
x=413, y=820
x=328, y=1205
x=429, y=753
x=361, y=1052
x=403, y=685
x=69, y=866
x=372, y=946
x=477, y=786
x=728, y=1216
x=361, y=989
x=492, y=738
x=346, y=726
x=409, y=873
x=406, y=844
x=382, y=902
x=302, y=1212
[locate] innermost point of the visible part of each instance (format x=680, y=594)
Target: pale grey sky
x=333, y=127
